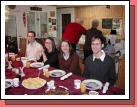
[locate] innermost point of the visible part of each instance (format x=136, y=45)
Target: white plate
x=57, y=73
x=37, y=64
x=92, y=84
x=23, y=84
x=10, y=54
x=22, y=58
x=8, y=83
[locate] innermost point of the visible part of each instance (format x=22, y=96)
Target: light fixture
x=7, y=13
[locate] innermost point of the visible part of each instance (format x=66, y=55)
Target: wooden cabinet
x=121, y=74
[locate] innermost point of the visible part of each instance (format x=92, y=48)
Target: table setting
x=46, y=80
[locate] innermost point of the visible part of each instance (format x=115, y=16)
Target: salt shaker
x=48, y=85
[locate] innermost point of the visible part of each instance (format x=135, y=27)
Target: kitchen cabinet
x=37, y=21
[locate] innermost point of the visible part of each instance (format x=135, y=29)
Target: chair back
x=81, y=68
x=22, y=47
x=41, y=41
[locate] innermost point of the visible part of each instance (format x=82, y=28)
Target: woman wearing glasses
x=49, y=54
x=68, y=59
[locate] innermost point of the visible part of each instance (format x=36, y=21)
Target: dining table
x=34, y=72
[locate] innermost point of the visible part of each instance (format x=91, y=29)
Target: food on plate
x=58, y=91
x=33, y=83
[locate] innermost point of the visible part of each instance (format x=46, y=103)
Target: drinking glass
x=83, y=88
x=47, y=74
x=28, y=64
x=13, y=58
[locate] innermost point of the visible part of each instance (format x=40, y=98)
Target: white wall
x=22, y=31
x=59, y=19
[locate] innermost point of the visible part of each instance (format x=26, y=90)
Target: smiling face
x=65, y=47
x=96, y=46
x=48, y=44
x=31, y=37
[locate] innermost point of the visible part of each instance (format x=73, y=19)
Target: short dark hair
x=102, y=38
x=70, y=48
x=53, y=43
x=32, y=32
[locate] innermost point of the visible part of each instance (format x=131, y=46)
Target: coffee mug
x=16, y=82
x=77, y=83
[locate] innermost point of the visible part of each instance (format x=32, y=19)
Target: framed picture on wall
x=52, y=13
x=49, y=20
x=53, y=21
x=107, y=23
x=54, y=27
x=50, y=28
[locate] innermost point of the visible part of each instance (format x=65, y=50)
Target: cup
x=83, y=88
x=16, y=82
x=44, y=70
x=77, y=83
x=47, y=74
x=13, y=58
x=28, y=64
x=93, y=93
x=24, y=63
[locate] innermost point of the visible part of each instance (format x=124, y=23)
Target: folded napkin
x=46, y=66
x=66, y=76
x=105, y=88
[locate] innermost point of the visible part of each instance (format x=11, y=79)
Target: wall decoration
x=49, y=20
x=50, y=28
x=54, y=27
x=53, y=21
x=52, y=13
x=107, y=23
x=24, y=19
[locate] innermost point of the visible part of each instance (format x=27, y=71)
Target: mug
x=77, y=83
x=16, y=82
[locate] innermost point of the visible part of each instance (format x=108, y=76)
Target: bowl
x=93, y=93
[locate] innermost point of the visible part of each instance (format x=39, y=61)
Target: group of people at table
x=98, y=65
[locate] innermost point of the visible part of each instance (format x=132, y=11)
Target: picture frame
x=53, y=21
x=50, y=28
x=50, y=20
x=54, y=27
x=52, y=13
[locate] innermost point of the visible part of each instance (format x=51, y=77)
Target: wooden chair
x=81, y=68
x=22, y=47
x=41, y=41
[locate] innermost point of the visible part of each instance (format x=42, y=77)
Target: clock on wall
x=12, y=6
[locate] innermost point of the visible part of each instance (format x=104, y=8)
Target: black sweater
x=103, y=71
x=52, y=59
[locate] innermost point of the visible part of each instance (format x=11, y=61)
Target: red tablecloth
x=33, y=72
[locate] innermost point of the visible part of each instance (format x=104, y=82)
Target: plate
x=36, y=64
x=60, y=90
x=57, y=73
x=8, y=83
x=22, y=58
x=10, y=54
x=92, y=84
x=33, y=83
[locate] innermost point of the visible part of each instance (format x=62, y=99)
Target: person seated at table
x=33, y=46
x=68, y=59
x=99, y=65
x=49, y=54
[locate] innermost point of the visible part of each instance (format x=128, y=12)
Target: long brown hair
x=70, y=48
x=53, y=43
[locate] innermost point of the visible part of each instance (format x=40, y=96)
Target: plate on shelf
x=92, y=84
x=22, y=58
x=33, y=83
x=57, y=73
x=59, y=90
x=8, y=83
x=37, y=64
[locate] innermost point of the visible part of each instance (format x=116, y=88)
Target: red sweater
x=73, y=32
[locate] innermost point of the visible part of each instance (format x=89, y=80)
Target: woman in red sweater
x=68, y=59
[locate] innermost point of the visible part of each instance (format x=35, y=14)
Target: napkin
x=105, y=88
x=46, y=66
x=66, y=76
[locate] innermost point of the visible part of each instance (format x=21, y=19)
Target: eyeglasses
x=48, y=43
